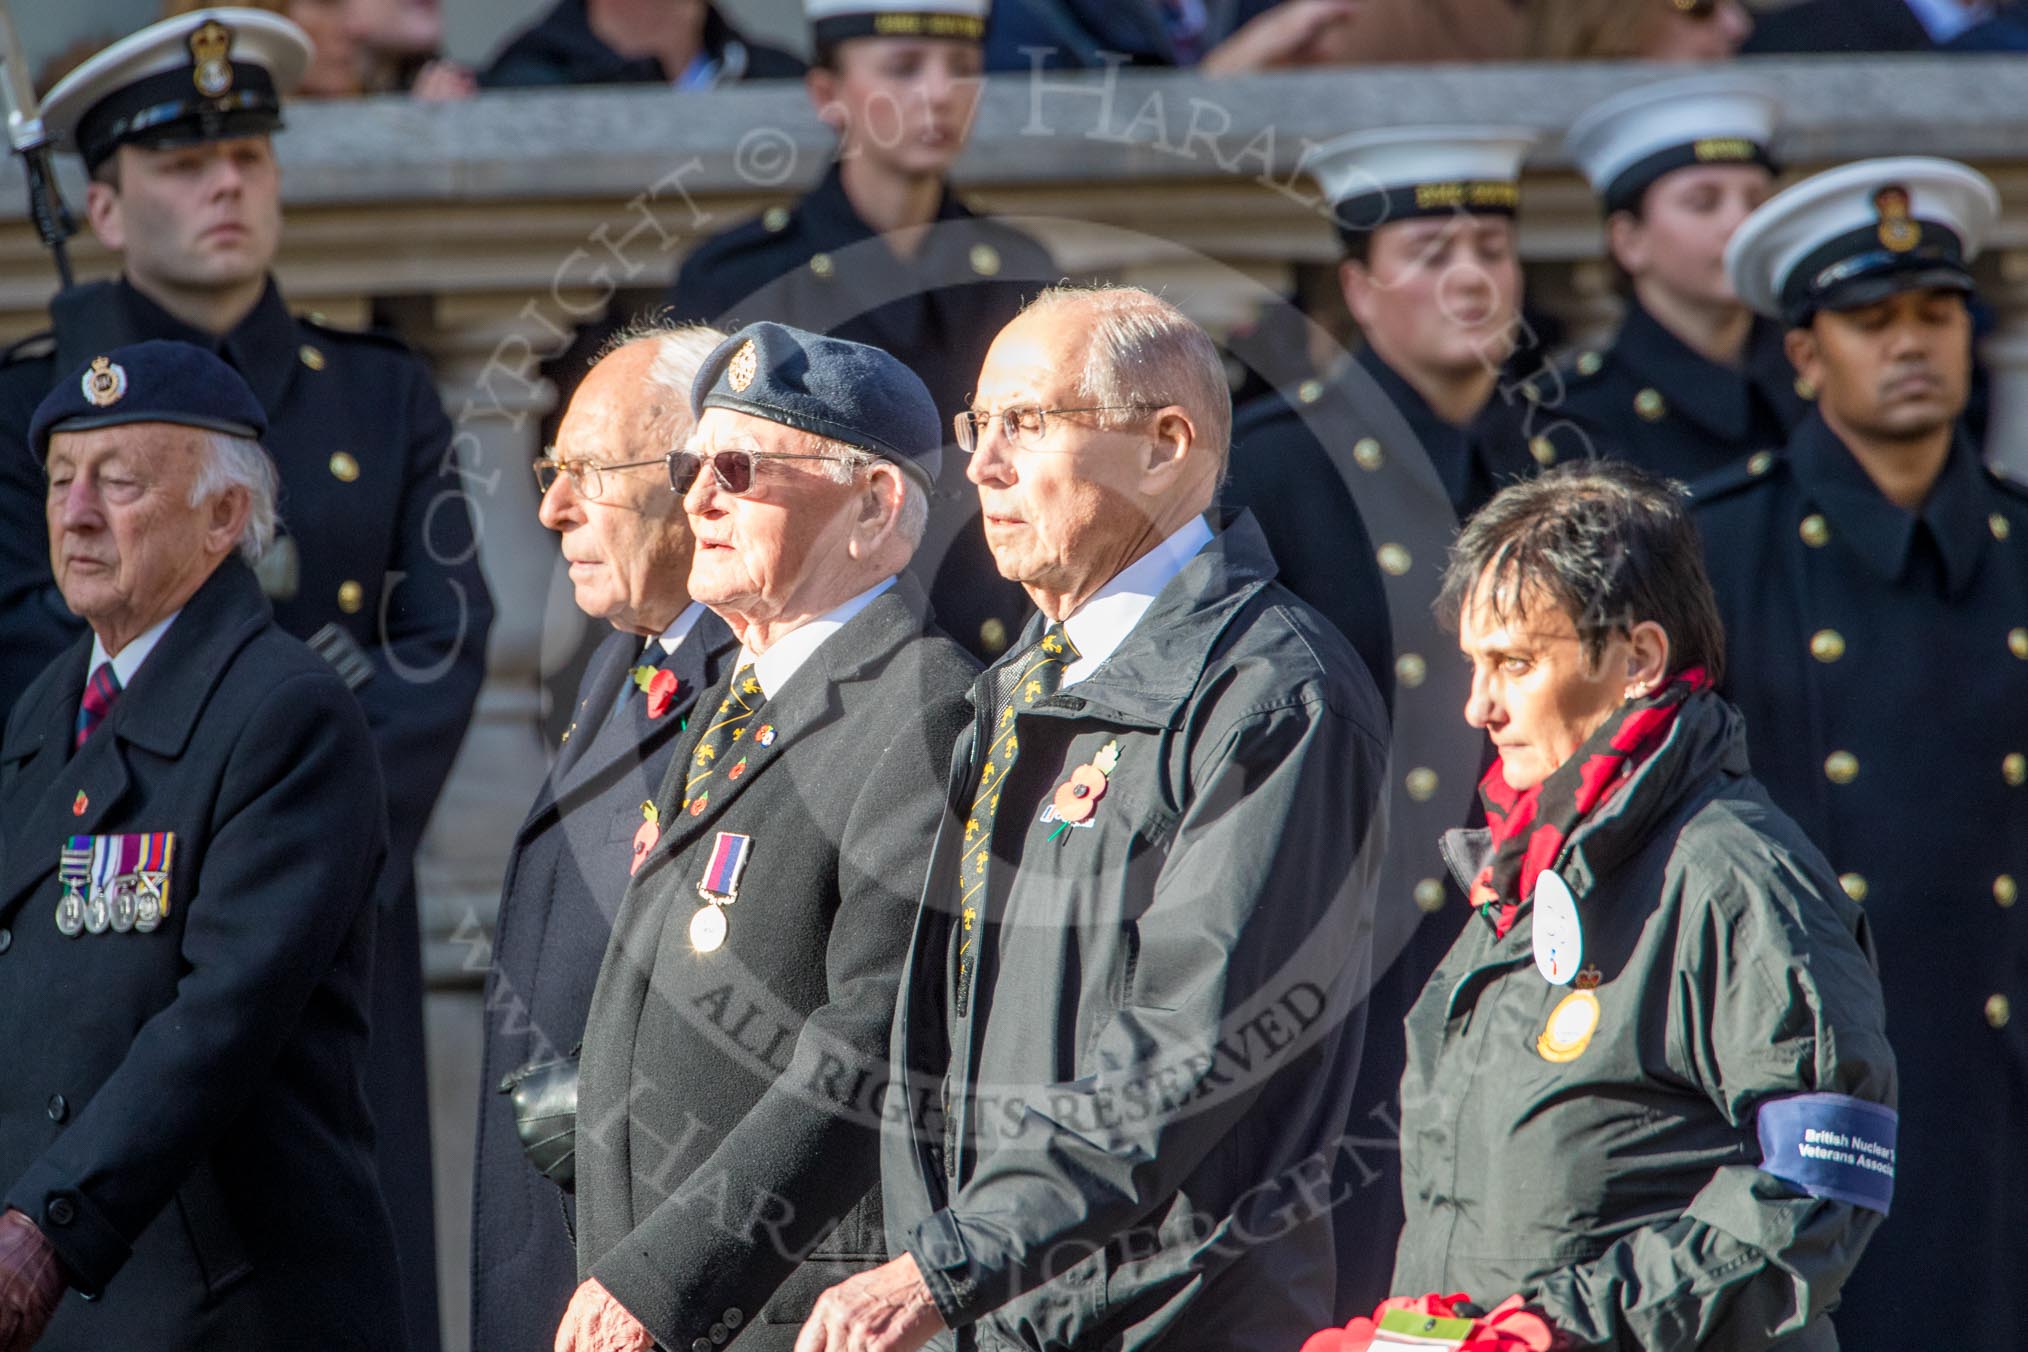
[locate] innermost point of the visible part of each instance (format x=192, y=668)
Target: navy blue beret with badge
x=160, y=381
x=850, y=392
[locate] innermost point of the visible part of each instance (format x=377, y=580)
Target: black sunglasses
x=734, y=470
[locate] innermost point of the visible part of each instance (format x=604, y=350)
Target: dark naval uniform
x=566, y=875
x=1359, y=486
x=182, y=1112
x=1881, y=660
x=1650, y=399
x=817, y=266
x=374, y=565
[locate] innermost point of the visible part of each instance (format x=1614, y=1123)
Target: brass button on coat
x=1421, y=784
x=1543, y=449
x=1816, y=531
x=1759, y=463
x=311, y=357
x=351, y=596
x=344, y=468
x=1827, y=645
x=1650, y=405
x=821, y=264
x=1999, y=1009
x=1367, y=453
x=1393, y=559
x=2017, y=643
x=1429, y=896
x=2000, y=525
x=2006, y=891
x=1854, y=885
x=1310, y=391
x=1411, y=670
x=2014, y=769
x=1841, y=767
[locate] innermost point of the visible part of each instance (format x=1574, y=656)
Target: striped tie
x=720, y=755
x=1035, y=675
x=99, y=693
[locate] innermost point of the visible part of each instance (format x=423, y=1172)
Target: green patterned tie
x=719, y=756
x=1035, y=675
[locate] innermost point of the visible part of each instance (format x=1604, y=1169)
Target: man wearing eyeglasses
x=1130, y=1015
x=606, y=493
x=733, y=1071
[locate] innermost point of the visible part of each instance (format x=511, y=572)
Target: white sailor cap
x=204, y=76
x=833, y=21
x=1373, y=178
x=1632, y=139
x=1860, y=232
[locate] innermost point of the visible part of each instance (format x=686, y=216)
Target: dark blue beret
x=849, y=392
x=156, y=381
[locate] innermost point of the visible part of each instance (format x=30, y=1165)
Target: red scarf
x=1530, y=826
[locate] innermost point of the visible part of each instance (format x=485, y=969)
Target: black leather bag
x=544, y=1095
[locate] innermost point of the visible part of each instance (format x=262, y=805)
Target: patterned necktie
x=1035, y=675
x=99, y=694
x=719, y=757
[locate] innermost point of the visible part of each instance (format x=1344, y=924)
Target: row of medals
x=131, y=908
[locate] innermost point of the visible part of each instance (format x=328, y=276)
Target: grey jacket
x=1127, y=1141
x=1618, y=1190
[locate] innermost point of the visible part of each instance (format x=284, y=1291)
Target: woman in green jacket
x=1648, y=1090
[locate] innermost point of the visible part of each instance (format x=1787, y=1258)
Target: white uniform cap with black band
x=1623, y=145
x=835, y=21
x=1859, y=233
x=203, y=76
x=1374, y=178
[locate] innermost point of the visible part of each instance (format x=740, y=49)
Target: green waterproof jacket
x=1614, y=1180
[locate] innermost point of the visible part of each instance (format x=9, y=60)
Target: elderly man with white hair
x=1131, y=1012
x=733, y=1065
x=627, y=545
x=191, y=830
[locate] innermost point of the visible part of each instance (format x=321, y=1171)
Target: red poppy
x=663, y=687
x=1077, y=797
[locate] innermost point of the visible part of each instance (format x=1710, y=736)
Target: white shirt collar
x=774, y=667
x=1945, y=19
x=679, y=628
x=134, y=654
x=1101, y=624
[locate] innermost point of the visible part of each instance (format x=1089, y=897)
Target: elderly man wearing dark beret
x=732, y=1076
x=191, y=831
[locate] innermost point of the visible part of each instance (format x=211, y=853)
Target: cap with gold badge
x=1624, y=145
x=1374, y=178
x=1860, y=233
x=835, y=21
x=205, y=76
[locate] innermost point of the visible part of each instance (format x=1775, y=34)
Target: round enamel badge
x=1570, y=1027
x=1559, y=937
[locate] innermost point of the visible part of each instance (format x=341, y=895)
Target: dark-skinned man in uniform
x=376, y=566
x=1873, y=577
x=883, y=252
x=1694, y=379
x=1358, y=481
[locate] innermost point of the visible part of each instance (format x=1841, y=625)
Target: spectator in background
x=1877, y=26
x=685, y=43
x=1640, y=30
x=337, y=64
x=1227, y=38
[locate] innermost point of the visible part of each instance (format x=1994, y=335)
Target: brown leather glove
x=31, y=1283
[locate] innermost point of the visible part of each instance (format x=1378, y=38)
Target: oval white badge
x=1559, y=937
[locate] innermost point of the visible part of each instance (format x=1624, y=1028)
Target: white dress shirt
x=774, y=667
x=1101, y=624
x=133, y=655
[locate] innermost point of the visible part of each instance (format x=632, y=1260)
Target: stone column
x=2005, y=352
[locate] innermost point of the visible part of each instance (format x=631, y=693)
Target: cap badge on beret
x=105, y=382
x=211, y=58
x=745, y=366
x=1897, y=231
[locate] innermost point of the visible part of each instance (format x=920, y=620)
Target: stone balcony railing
x=490, y=228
